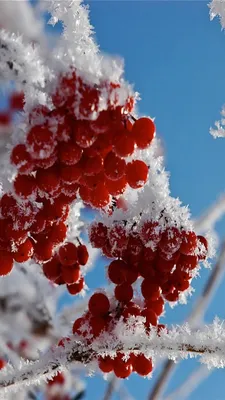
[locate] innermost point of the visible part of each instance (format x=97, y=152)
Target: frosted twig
x=180, y=342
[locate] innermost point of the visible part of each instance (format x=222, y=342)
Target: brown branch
x=198, y=310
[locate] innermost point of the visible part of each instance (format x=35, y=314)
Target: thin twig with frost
x=195, y=316
x=180, y=342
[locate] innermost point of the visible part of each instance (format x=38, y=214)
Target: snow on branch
x=179, y=342
x=217, y=9
x=212, y=215
x=20, y=62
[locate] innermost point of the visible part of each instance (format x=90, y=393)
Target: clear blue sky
x=176, y=58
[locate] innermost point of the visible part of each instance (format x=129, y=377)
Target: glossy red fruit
x=99, y=304
x=117, y=187
x=43, y=251
x=16, y=101
x=70, y=174
x=8, y=205
x=58, y=233
x=83, y=135
x=172, y=297
x=131, y=309
x=157, y=306
x=15, y=236
x=98, y=234
x=187, y=262
x=105, y=364
x=40, y=141
x=122, y=369
x=48, y=180
x=124, y=292
x=52, y=269
x=143, y=132
x=68, y=254
x=114, y=166
x=151, y=317
x=93, y=165
x=69, y=153
x=189, y=243
x=2, y=363
x=58, y=379
x=24, y=252
x=71, y=274
x=98, y=325
x=150, y=290
x=25, y=186
x=22, y=159
x=171, y=240
x=202, y=247
x=6, y=263
x=151, y=232
x=118, y=237
x=136, y=173
x=124, y=144
x=82, y=254
x=100, y=196
x=39, y=224
x=142, y=365
x=76, y=288
x=117, y=271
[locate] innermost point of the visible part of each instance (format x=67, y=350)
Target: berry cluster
x=100, y=318
x=163, y=259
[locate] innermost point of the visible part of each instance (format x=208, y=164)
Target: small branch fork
x=180, y=341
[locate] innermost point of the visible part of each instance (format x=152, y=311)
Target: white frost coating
x=153, y=198
x=217, y=9
x=180, y=342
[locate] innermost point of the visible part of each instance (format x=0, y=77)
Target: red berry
x=58, y=233
x=100, y=196
x=76, y=288
x=2, y=363
x=122, y=369
x=118, y=236
x=143, y=132
x=48, y=180
x=135, y=245
x=5, y=118
x=82, y=254
x=24, y=252
x=99, y=304
x=68, y=254
x=187, y=262
x=142, y=365
x=157, y=306
x=58, y=379
x=40, y=141
x=6, y=263
x=136, y=173
x=131, y=310
x=174, y=296
x=93, y=165
x=71, y=274
x=98, y=235
x=70, y=174
x=189, y=243
x=124, y=144
x=52, y=269
x=15, y=236
x=171, y=240
x=124, y=292
x=77, y=326
x=117, y=271
x=151, y=232
x=150, y=290
x=114, y=166
x=58, y=210
x=43, y=251
x=98, y=325
x=202, y=247
x=151, y=317
x=69, y=153
x=83, y=135
x=116, y=187
x=39, y=224
x=8, y=205
x=105, y=364
x=22, y=159
x=25, y=186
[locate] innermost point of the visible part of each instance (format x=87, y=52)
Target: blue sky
x=176, y=58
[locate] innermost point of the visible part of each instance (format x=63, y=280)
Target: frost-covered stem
x=180, y=341
x=209, y=218
x=197, y=313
